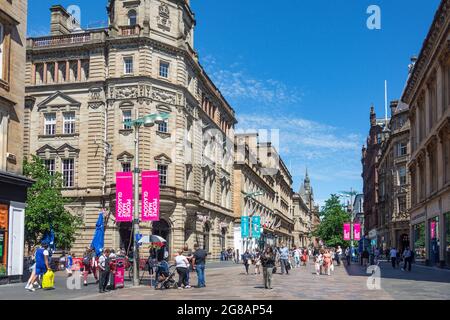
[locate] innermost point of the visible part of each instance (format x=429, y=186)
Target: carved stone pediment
x=58, y=99
x=125, y=157
x=163, y=159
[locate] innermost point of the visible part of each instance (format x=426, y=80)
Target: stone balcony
x=127, y=31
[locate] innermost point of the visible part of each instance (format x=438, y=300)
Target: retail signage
x=150, y=196
x=245, y=221
x=256, y=227
x=357, y=232
x=124, y=196
x=2, y=244
x=347, y=232
x=433, y=229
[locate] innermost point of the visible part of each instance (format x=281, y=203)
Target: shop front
x=447, y=238
x=434, y=240
x=419, y=246
x=13, y=192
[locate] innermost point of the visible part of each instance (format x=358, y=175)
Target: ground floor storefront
x=430, y=231
x=13, y=195
x=181, y=223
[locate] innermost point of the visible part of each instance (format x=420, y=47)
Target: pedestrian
x=297, y=254
x=257, y=262
x=407, y=256
x=32, y=281
x=347, y=256
x=182, y=265
x=284, y=259
x=104, y=270
x=188, y=254
x=199, y=263
x=69, y=264
x=327, y=261
x=338, y=255
x=377, y=255
x=318, y=261
x=268, y=264
x=247, y=260
x=393, y=256
x=365, y=258
x=399, y=258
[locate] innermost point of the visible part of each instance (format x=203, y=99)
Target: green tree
x=332, y=217
x=45, y=207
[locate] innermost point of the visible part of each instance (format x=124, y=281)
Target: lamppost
x=250, y=216
x=147, y=121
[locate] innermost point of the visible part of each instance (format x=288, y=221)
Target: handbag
x=274, y=270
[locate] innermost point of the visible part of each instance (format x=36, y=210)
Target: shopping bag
x=48, y=280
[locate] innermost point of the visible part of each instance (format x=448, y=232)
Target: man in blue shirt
x=284, y=259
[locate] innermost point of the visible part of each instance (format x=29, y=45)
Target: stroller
x=165, y=276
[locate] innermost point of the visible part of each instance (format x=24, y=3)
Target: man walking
x=199, y=262
x=103, y=265
x=407, y=256
x=338, y=255
x=347, y=255
x=284, y=259
x=393, y=255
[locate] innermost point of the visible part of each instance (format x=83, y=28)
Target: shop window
x=4, y=219
x=434, y=240
x=447, y=239
x=419, y=241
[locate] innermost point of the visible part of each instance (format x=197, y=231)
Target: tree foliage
x=333, y=217
x=45, y=207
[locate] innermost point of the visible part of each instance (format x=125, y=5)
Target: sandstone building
x=83, y=84
x=428, y=94
x=13, y=186
x=394, y=182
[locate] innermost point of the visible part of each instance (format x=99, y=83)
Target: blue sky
x=309, y=68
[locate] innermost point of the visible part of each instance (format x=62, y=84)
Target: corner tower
x=168, y=21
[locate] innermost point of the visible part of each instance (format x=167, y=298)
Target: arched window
x=132, y=17
x=2, y=35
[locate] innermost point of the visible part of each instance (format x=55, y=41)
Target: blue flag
x=99, y=236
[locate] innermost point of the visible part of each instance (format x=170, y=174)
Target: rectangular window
x=126, y=167
x=402, y=176
x=128, y=65
x=162, y=169
x=402, y=149
x=68, y=172
x=163, y=127
x=126, y=116
x=402, y=204
x=50, y=166
x=50, y=124
x=164, y=69
x=2, y=48
x=69, y=123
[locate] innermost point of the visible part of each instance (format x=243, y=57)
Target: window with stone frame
x=164, y=69
x=446, y=156
x=126, y=116
x=402, y=204
x=50, y=166
x=69, y=122
x=68, y=172
x=163, y=126
x=402, y=149
x=402, y=176
x=433, y=170
x=163, y=170
x=128, y=65
x=50, y=124
x=126, y=166
x=2, y=49
x=132, y=17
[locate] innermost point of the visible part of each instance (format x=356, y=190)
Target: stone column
x=67, y=71
x=78, y=70
x=44, y=78
x=56, y=76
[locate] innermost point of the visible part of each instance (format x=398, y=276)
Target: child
x=69, y=264
x=318, y=264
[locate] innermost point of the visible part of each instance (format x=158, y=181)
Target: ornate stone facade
x=97, y=79
x=394, y=180
x=428, y=95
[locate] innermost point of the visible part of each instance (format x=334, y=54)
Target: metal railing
x=61, y=40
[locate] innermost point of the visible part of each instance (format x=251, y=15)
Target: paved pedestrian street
x=228, y=282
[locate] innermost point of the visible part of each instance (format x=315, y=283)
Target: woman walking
x=268, y=263
x=247, y=257
x=182, y=265
x=257, y=262
x=318, y=261
x=327, y=261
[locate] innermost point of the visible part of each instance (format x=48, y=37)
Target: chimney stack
x=62, y=22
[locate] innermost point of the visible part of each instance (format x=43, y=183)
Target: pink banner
x=150, y=196
x=347, y=232
x=357, y=232
x=124, y=196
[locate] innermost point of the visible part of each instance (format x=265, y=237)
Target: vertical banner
x=256, y=227
x=433, y=230
x=347, y=232
x=244, y=226
x=124, y=196
x=357, y=231
x=150, y=196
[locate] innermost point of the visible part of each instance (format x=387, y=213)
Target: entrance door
x=404, y=242
x=162, y=228
x=16, y=239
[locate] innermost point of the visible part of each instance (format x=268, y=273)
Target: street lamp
x=148, y=122
x=350, y=194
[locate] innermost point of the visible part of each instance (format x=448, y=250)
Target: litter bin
x=117, y=280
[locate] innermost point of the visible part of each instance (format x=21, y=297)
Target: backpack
x=87, y=260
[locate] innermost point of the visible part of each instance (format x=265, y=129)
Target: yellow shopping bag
x=48, y=280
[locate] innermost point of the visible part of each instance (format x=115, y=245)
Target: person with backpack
x=104, y=268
